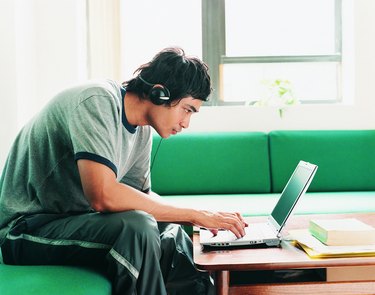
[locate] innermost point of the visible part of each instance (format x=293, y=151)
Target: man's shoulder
x=102, y=93
x=99, y=88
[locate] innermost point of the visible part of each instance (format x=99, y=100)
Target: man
x=76, y=188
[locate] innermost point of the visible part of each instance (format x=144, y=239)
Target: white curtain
x=47, y=45
x=103, y=31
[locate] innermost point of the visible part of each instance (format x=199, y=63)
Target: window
x=249, y=42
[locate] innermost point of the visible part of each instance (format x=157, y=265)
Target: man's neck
x=135, y=109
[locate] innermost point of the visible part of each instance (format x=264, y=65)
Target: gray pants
x=139, y=255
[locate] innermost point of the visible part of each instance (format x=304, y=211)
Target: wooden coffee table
x=286, y=257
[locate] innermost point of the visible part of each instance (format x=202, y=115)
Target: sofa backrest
x=346, y=158
x=214, y=162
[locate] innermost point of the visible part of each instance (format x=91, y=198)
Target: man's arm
x=106, y=194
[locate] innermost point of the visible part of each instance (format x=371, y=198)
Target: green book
x=342, y=232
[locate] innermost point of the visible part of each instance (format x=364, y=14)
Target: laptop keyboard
x=259, y=231
x=256, y=231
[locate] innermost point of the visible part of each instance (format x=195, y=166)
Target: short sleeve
x=94, y=129
x=138, y=175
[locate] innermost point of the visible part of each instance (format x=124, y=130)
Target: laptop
x=267, y=233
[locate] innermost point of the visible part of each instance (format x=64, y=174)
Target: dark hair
x=183, y=76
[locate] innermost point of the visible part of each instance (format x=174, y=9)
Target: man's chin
x=161, y=133
x=164, y=135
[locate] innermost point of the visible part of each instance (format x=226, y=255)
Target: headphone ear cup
x=159, y=94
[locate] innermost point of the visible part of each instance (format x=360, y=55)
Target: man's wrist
x=194, y=215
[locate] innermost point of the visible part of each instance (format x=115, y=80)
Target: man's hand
x=221, y=220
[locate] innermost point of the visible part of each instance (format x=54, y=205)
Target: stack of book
x=326, y=238
x=342, y=232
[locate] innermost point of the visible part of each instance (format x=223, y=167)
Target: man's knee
x=133, y=224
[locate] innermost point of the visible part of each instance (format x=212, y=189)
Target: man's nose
x=185, y=123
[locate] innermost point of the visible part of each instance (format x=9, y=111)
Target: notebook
x=267, y=233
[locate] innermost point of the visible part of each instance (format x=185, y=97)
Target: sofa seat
x=262, y=204
x=62, y=280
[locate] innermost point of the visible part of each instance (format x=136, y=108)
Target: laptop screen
x=296, y=185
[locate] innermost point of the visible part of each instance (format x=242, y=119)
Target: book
x=302, y=238
x=342, y=232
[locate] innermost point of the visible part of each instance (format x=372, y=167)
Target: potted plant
x=279, y=94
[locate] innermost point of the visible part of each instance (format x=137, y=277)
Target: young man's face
x=169, y=121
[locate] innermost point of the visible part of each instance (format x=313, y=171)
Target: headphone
x=158, y=94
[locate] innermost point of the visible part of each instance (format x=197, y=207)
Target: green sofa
x=62, y=280
x=246, y=171
x=233, y=171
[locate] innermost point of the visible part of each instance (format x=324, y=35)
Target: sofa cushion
x=64, y=280
x=206, y=163
x=346, y=158
x=262, y=204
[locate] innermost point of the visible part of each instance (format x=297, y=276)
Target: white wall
x=43, y=49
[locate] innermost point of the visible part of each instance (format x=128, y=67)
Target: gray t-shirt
x=84, y=122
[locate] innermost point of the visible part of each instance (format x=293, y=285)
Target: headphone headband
x=144, y=81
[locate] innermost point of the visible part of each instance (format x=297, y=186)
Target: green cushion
x=262, y=204
x=206, y=163
x=346, y=158
x=246, y=204
x=336, y=202
x=62, y=280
